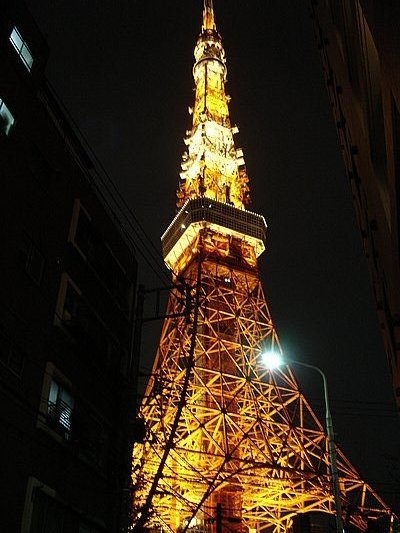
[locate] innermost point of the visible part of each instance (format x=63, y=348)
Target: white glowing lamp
x=272, y=359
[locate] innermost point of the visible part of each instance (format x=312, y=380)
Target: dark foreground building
x=66, y=291
x=360, y=47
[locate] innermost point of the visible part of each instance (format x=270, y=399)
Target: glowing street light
x=273, y=360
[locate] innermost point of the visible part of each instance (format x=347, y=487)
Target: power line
x=138, y=236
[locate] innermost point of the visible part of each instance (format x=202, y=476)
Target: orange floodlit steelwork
x=229, y=446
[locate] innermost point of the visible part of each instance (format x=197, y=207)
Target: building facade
x=68, y=274
x=360, y=49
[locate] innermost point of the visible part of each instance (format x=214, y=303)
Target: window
x=60, y=406
x=92, y=437
x=32, y=259
x=42, y=512
x=75, y=316
x=11, y=356
x=6, y=118
x=46, y=512
x=85, y=238
x=99, y=255
x=56, y=404
x=22, y=48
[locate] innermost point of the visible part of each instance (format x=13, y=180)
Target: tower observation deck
x=229, y=447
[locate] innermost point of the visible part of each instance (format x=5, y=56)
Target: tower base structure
x=230, y=445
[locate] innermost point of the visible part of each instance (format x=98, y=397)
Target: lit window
x=56, y=404
x=59, y=407
x=6, y=118
x=22, y=48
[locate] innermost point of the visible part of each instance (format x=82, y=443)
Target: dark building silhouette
x=66, y=293
x=360, y=48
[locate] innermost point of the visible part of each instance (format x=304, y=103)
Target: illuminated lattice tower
x=229, y=446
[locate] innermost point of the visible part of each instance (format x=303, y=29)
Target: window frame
x=52, y=374
x=125, y=306
x=6, y=117
x=13, y=350
x=67, y=323
x=77, y=207
x=60, y=404
x=66, y=280
x=31, y=255
x=85, y=521
x=21, y=47
x=32, y=485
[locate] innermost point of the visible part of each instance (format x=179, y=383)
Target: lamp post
x=273, y=360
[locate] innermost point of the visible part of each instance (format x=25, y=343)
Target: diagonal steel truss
x=225, y=437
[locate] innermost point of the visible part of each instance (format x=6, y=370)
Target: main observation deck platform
x=222, y=218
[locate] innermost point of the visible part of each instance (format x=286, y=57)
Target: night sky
x=123, y=70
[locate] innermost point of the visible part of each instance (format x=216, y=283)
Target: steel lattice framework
x=232, y=432
x=229, y=445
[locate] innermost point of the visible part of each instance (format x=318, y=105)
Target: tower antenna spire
x=208, y=16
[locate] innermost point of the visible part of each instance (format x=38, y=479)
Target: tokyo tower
x=230, y=446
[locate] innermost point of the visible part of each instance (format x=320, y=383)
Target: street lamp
x=274, y=360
